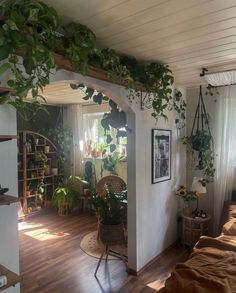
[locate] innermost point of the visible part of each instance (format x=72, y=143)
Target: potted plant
x=42, y=157
x=65, y=197
x=110, y=211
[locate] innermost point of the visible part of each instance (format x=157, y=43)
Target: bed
x=211, y=267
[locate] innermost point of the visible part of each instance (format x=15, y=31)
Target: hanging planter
x=200, y=142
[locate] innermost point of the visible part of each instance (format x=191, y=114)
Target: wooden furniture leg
x=99, y=262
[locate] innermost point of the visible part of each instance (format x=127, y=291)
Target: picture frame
x=161, y=155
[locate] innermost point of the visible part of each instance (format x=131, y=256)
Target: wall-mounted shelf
x=7, y=199
x=12, y=278
x=7, y=137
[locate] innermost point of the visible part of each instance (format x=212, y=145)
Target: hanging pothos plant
x=115, y=119
x=30, y=34
x=200, y=145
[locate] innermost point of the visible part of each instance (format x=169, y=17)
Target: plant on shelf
x=41, y=188
x=29, y=58
x=61, y=136
x=43, y=159
x=65, y=197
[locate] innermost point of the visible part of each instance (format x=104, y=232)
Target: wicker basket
x=111, y=234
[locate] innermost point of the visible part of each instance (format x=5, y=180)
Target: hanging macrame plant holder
x=201, y=138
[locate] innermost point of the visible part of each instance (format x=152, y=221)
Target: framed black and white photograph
x=161, y=155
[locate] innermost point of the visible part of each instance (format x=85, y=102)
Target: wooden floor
x=55, y=263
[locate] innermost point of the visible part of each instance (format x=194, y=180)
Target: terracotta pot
x=27, y=193
x=111, y=234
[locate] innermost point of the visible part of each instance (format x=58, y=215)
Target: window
x=94, y=139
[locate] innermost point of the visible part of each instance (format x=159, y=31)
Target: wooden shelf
x=12, y=278
x=8, y=199
x=30, y=145
x=7, y=137
x=37, y=178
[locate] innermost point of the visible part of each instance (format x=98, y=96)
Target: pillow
x=229, y=227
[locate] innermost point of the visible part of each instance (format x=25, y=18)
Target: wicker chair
x=116, y=183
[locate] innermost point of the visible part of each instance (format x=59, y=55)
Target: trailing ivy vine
x=31, y=31
x=116, y=118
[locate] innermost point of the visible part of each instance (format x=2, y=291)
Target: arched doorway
x=118, y=95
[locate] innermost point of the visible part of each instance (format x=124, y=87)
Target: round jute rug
x=93, y=247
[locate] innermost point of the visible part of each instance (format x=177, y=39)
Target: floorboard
x=56, y=264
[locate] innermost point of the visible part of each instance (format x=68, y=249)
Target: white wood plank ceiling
x=186, y=34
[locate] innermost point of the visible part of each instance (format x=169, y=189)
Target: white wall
x=9, y=251
x=157, y=205
x=152, y=208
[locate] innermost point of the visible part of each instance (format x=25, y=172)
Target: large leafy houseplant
x=65, y=197
x=108, y=208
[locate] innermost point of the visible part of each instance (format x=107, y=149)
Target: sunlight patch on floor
x=44, y=234
x=156, y=284
x=27, y=225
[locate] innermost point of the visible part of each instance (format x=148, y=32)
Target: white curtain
x=225, y=149
x=73, y=117
x=90, y=126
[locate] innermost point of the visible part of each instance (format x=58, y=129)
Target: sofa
x=212, y=265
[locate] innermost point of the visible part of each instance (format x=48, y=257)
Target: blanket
x=210, y=268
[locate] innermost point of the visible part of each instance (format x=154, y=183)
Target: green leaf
x=4, y=51
x=109, y=139
x=10, y=83
x=4, y=67
x=2, y=39
x=33, y=14
x=105, y=124
x=112, y=148
x=12, y=25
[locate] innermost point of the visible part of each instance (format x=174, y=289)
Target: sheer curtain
x=73, y=116
x=225, y=149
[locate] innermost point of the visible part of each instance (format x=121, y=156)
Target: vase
x=187, y=209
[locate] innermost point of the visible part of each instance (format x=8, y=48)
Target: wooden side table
x=193, y=228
